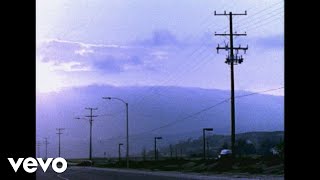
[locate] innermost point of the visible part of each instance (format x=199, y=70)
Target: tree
x=280, y=149
x=225, y=146
x=245, y=147
x=266, y=146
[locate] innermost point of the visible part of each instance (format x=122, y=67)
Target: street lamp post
x=127, y=128
x=204, y=140
x=155, y=147
x=119, y=151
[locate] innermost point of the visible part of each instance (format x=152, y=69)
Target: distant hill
x=149, y=108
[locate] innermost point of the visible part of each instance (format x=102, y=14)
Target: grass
x=251, y=165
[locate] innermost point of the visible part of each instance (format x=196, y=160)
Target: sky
x=157, y=43
x=82, y=43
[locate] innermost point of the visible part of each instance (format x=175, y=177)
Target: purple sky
x=149, y=42
x=82, y=43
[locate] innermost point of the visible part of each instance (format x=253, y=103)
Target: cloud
x=79, y=67
x=159, y=55
x=160, y=37
x=84, y=51
x=70, y=67
x=163, y=37
x=275, y=41
x=148, y=54
x=72, y=56
x=107, y=64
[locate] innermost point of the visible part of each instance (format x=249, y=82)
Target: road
x=87, y=173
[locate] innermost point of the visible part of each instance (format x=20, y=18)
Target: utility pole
x=90, y=120
x=155, y=148
x=207, y=149
x=204, y=144
x=127, y=130
x=232, y=60
x=204, y=140
x=170, y=151
x=119, y=151
x=59, y=133
x=38, y=146
x=46, y=143
x=176, y=149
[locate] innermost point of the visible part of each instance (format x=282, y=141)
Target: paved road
x=87, y=173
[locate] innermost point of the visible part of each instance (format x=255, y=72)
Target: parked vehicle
x=225, y=153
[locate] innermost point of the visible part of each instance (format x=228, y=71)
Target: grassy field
x=250, y=165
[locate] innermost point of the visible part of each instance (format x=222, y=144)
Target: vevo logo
x=30, y=164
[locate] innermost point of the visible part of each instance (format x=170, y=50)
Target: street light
x=119, y=151
x=204, y=140
x=155, y=147
x=90, y=145
x=127, y=119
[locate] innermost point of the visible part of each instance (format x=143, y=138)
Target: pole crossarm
x=227, y=14
x=225, y=34
x=227, y=48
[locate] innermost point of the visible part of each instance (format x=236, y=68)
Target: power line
x=242, y=24
x=204, y=110
x=250, y=94
x=258, y=21
x=249, y=19
x=201, y=61
x=168, y=80
x=170, y=77
x=197, y=113
x=262, y=23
